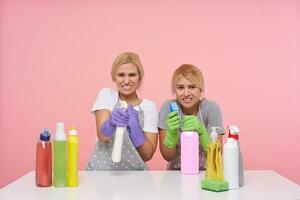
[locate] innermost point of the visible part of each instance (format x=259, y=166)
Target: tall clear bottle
x=43, y=171
x=60, y=160
x=72, y=177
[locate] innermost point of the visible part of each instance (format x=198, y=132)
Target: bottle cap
x=60, y=131
x=73, y=131
x=173, y=107
x=45, y=134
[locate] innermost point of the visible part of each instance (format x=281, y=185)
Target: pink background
x=56, y=56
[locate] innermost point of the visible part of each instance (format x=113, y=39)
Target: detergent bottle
x=60, y=160
x=189, y=142
x=72, y=175
x=43, y=171
x=234, y=133
x=231, y=163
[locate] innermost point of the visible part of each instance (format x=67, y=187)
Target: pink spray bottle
x=189, y=141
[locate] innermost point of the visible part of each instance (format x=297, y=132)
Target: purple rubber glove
x=136, y=133
x=118, y=118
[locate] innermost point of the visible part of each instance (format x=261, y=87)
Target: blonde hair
x=190, y=72
x=124, y=58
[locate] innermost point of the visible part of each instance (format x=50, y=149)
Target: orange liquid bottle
x=43, y=171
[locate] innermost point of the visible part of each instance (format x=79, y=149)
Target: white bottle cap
x=60, y=131
x=73, y=131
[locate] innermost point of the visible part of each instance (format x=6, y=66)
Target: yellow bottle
x=72, y=174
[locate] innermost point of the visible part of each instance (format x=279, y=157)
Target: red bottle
x=43, y=171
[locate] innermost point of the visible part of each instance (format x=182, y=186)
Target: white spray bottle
x=233, y=133
x=118, y=142
x=231, y=163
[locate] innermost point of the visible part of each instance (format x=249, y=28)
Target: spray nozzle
x=214, y=134
x=233, y=132
x=123, y=104
x=233, y=129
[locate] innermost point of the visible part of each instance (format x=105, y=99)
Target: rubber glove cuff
x=171, y=138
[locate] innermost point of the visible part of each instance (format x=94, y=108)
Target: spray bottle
x=72, y=177
x=60, y=160
x=43, y=171
x=233, y=133
x=231, y=163
x=118, y=141
x=189, y=141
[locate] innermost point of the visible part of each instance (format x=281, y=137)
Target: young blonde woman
x=140, y=119
x=196, y=113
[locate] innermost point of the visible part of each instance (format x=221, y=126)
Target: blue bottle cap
x=173, y=107
x=45, y=134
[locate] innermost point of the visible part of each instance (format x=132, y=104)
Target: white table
x=152, y=185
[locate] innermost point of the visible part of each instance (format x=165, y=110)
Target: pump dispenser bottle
x=60, y=160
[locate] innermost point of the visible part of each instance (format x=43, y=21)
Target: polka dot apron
x=131, y=159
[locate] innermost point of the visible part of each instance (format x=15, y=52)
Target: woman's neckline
x=137, y=102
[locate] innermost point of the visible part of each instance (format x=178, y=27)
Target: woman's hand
x=172, y=137
x=118, y=118
x=192, y=123
x=136, y=133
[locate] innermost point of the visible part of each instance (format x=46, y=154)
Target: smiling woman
x=140, y=119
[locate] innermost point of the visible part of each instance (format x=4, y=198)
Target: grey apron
x=131, y=159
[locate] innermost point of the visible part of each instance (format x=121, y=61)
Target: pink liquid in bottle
x=189, y=153
x=43, y=171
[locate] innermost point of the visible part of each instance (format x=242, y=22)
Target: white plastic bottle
x=231, y=163
x=234, y=133
x=118, y=140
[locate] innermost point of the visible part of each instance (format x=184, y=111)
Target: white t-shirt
x=107, y=98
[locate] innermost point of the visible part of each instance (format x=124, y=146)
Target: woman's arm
x=167, y=153
x=101, y=116
x=147, y=149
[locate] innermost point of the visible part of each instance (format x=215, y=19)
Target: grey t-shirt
x=210, y=115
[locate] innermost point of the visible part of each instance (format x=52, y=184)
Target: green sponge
x=214, y=185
